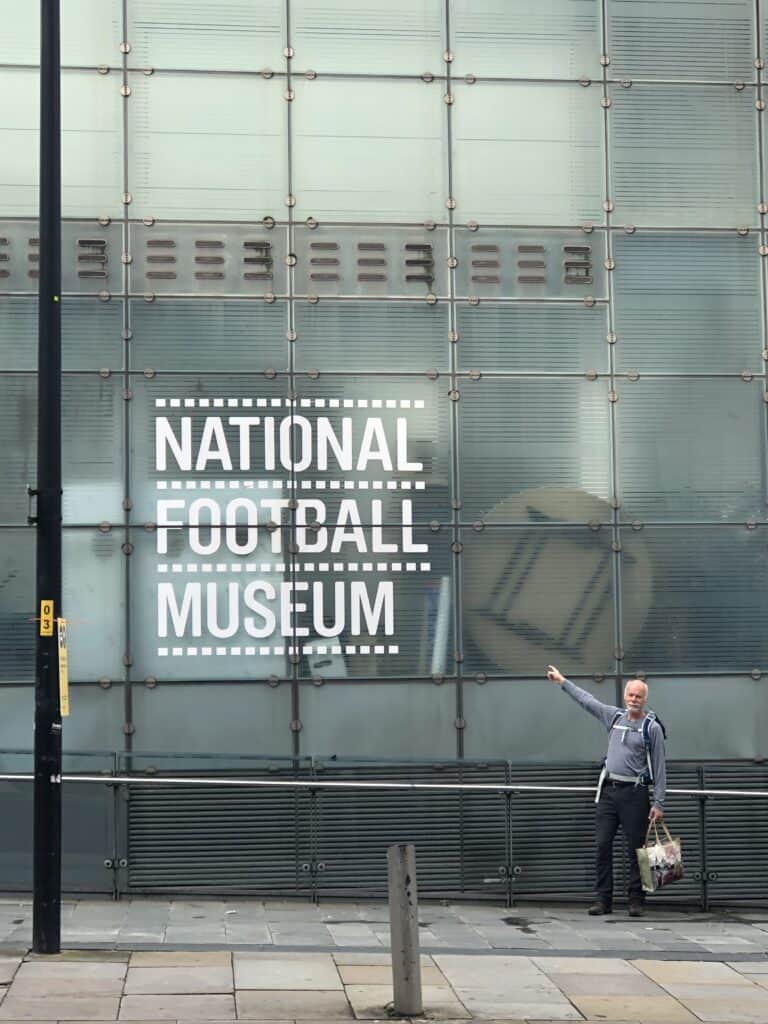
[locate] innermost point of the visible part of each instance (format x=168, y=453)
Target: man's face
x=635, y=695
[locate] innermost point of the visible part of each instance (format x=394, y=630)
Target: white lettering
x=165, y=438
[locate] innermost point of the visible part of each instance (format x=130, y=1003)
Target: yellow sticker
x=46, y=618
x=63, y=668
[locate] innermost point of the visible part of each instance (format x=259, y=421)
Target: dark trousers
x=621, y=804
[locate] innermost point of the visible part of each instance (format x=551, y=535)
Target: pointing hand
x=555, y=674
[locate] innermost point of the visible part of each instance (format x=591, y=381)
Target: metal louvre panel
x=211, y=839
x=356, y=827
x=484, y=833
x=552, y=833
x=737, y=834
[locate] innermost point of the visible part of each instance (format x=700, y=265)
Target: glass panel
x=371, y=261
x=530, y=264
x=379, y=720
x=369, y=150
x=533, y=596
x=201, y=335
x=534, y=450
x=691, y=449
x=92, y=427
x=209, y=259
x=390, y=37
x=527, y=38
x=528, y=153
x=17, y=602
x=378, y=606
x=94, y=603
x=91, y=142
x=688, y=303
x=207, y=147
x=237, y=35
x=357, y=336
x=684, y=155
x=91, y=32
x=90, y=334
x=387, y=437
x=200, y=608
x=682, y=39
x=537, y=337
x=528, y=720
x=92, y=455
x=237, y=718
x=703, y=613
x=197, y=461
x=699, y=719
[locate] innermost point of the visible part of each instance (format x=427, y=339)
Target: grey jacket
x=626, y=753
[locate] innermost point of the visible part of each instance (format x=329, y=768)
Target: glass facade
x=409, y=346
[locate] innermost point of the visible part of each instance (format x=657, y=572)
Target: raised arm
x=605, y=713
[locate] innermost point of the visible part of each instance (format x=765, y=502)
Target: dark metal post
x=46, y=922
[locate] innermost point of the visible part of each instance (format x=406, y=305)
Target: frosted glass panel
x=17, y=602
x=91, y=155
x=91, y=32
x=532, y=337
x=706, y=613
x=368, y=150
x=684, y=156
x=359, y=336
x=411, y=720
x=199, y=335
x=533, y=596
x=90, y=334
x=688, y=303
x=690, y=449
x=526, y=38
x=547, y=457
x=94, y=603
x=233, y=718
x=399, y=37
x=527, y=153
x=236, y=35
x=682, y=39
x=207, y=147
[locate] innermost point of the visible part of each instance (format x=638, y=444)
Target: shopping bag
x=660, y=862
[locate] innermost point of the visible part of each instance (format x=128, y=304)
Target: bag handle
x=652, y=825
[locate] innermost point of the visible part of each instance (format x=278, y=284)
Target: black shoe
x=636, y=908
x=599, y=909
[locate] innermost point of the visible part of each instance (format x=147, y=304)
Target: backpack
x=650, y=716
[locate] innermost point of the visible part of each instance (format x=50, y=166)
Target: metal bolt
x=605, y=101
x=269, y=298
x=612, y=396
x=267, y=73
x=126, y=334
x=454, y=395
x=268, y=222
x=478, y=526
x=148, y=221
x=762, y=207
x=450, y=202
x=763, y=250
x=609, y=264
x=105, y=373
x=470, y=79
x=438, y=679
x=149, y=296
x=104, y=296
x=431, y=299
x=270, y=374
x=105, y=527
x=608, y=205
x=290, y=260
x=313, y=299
x=103, y=69
x=626, y=83
x=104, y=220
x=587, y=228
x=311, y=75
x=605, y=60
x=448, y=57
x=126, y=258
x=473, y=300
x=475, y=374
x=313, y=374
x=611, y=337
x=429, y=225
x=585, y=81
x=633, y=375
x=127, y=548
x=448, y=98
x=739, y=86
x=452, y=262
x=453, y=336
x=291, y=335
x=125, y=47
x=589, y=300
x=289, y=95
x=743, y=231
x=759, y=63
x=760, y=104
x=295, y=724
x=288, y=52
x=290, y=200
x=125, y=90
x=105, y=682
x=127, y=198
x=427, y=76
x=434, y=526
x=457, y=547
x=591, y=374
x=630, y=229
x=311, y=223
x=149, y=373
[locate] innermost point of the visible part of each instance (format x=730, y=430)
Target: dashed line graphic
x=289, y=649
x=281, y=403
x=281, y=567
x=279, y=485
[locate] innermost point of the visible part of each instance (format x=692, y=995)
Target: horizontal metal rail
x=483, y=787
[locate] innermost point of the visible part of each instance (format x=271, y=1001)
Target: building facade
x=408, y=347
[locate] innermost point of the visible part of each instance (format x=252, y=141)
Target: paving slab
x=183, y=980
x=366, y=959
x=583, y=965
x=465, y=970
x=270, y=1005
x=606, y=984
x=719, y=1010
x=181, y=958
x=62, y=1008
x=98, y=956
x=525, y=1006
x=381, y=974
x=667, y=972
x=61, y=979
x=302, y=974
x=645, y=1008
x=173, y=1007
x=8, y=967
x=750, y=967
x=369, y=1002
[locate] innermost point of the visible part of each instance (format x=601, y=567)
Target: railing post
x=404, y=930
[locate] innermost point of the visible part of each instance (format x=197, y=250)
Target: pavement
x=285, y=961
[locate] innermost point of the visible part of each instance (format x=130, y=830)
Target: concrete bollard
x=404, y=930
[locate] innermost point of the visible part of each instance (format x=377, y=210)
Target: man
x=622, y=797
